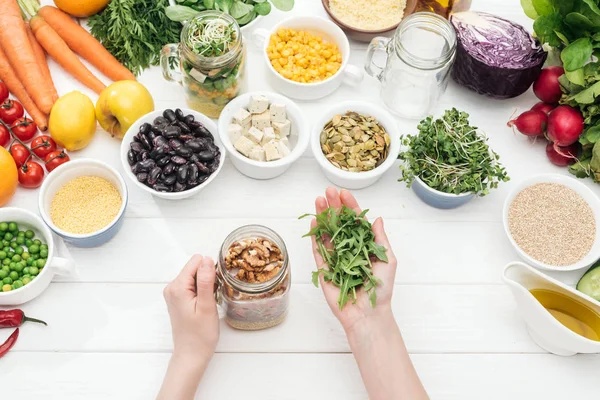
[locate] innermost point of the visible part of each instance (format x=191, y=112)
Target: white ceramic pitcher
x=543, y=328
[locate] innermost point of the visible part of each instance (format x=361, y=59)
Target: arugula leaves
x=349, y=256
x=572, y=27
x=244, y=11
x=451, y=156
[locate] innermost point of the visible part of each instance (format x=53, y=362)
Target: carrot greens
x=349, y=258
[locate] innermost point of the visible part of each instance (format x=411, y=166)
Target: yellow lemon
x=8, y=176
x=72, y=121
x=81, y=8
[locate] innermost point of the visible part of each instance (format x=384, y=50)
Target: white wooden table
x=109, y=334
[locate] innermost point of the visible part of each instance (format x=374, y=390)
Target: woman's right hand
x=352, y=315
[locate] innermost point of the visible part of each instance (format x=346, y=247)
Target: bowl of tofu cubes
x=265, y=133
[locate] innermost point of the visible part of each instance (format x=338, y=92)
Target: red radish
x=543, y=107
x=546, y=87
x=530, y=123
x=565, y=124
x=563, y=156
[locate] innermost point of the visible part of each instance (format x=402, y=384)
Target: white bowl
x=584, y=192
x=439, y=199
x=347, y=179
x=299, y=137
x=133, y=130
x=69, y=171
x=310, y=91
x=54, y=265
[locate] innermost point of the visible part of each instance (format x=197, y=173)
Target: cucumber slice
x=590, y=282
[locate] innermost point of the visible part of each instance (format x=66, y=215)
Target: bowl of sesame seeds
x=551, y=220
x=84, y=202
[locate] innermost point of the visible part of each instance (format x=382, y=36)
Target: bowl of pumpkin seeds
x=355, y=142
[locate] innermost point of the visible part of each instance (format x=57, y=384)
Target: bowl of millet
x=84, y=201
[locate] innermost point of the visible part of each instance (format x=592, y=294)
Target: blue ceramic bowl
x=438, y=199
x=69, y=171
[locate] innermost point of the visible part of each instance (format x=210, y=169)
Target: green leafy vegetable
x=244, y=11
x=349, y=256
x=135, y=31
x=210, y=38
x=451, y=156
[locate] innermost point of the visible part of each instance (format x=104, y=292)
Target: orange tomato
x=8, y=176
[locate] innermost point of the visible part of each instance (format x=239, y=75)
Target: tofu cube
x=282, y=148
x=282, y=128
x=261, y=121
x=235, y=132
x=268, y=135
x=257, y=154
x=278, y=113
x=254, y=135
x=197, y=75
x=244, y=145
x=242, y=118
x=271, y=151
x=258, y=104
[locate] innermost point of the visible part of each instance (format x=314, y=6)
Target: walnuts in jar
x=254, y=260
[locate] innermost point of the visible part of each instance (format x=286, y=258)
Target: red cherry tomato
x=42, y=146
x=19, y=153
x=3, y=92
x=31, y=175
x=24, y=128
x=55, y=159
x=10, y=111
x=4, y=136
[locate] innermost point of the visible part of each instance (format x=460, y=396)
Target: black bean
x=182, y=173
x=146, y=165
x=168, y=169
x=184, y=128
x=178, y=160
x=131, y=157
x=158, y=129
x=179, y=187
x=136, y=168
x=206, y=155
x=186, y=137
x=153, y=175
x=160, y=121
x=179, y=114
x=142, y=177
x=201, y=131
x=189, y=119
x=170, y=115
x=184, y=151
x=202, y=168
x=158, y=152
x=196, y=145
x=162, y=188
x=151, y=136
x=136, y=139
x=193, y=173
x=145, y=142
x=136, y=147
x=170, y=179
x=171, y=132
x=162, y=161
x=202, y=179
x=144, y=155
x=194, y=125
x=160, y=141
x=145, y=128
x=175, y=144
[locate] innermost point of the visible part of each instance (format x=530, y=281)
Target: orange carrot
x=84, y=44
x=16, y=46
x=62, y=54
x=40, y=55
x=8, y=76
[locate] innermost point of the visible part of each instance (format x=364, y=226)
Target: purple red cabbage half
x=494, y=56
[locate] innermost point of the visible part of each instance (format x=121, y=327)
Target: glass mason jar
x=443, y=7
x=418, y=62
x=209, y=82
x=253, y=306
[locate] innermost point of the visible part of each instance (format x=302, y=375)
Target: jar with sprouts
x=212, y=58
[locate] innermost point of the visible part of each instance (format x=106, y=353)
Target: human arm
x=373, y=335
x=195, y=324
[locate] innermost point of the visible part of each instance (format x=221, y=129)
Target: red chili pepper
x=15, y=318
x=10, y=342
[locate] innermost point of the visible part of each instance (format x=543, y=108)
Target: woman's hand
x=193, y=310
x=353, y=314
x=195, y=326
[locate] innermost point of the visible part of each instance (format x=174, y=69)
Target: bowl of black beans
x=172, y=154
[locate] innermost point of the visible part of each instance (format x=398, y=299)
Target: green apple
x=121, y=104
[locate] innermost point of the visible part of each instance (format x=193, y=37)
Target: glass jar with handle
x=418, y=62
x=209, y=62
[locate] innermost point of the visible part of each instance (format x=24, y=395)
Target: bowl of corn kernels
x=307, y=57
